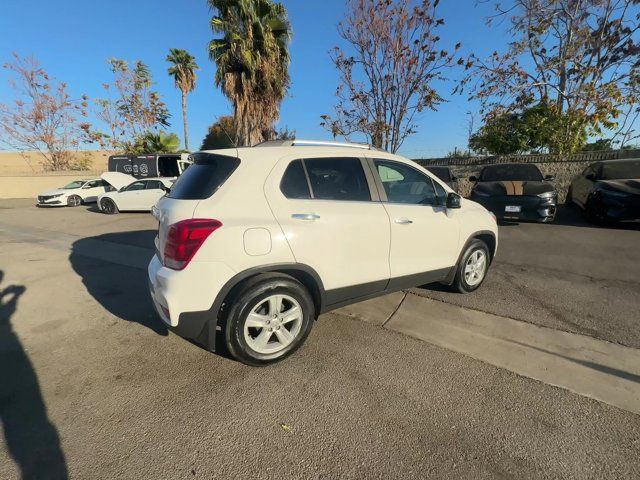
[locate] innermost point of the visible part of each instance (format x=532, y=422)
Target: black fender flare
x=202, y=326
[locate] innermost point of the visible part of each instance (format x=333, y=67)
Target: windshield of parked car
x=621, y=170
x=443, y=173
x=73, y=185
x=522, y=172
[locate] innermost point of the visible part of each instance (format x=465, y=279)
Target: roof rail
x=313, y=143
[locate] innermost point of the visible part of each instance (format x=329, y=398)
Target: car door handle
x=305, y=216
x=403, y=221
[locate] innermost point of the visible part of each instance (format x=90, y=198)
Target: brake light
x=185, y=238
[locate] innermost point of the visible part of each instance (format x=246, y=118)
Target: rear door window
x=337, y=179
x=294, y=181
x=201, y=180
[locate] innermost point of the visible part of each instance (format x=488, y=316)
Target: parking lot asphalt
x=93, y=385
x=569, y=275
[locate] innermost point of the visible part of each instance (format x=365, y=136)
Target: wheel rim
x=106, y=206
x=475, y=268
x=273, y=324
x=74, y=201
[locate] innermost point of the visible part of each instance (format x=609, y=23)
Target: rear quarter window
x=201, y=180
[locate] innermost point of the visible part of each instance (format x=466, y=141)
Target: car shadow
x=573, y=216
x=112, y=267
x=32, y=440
x=92, y=207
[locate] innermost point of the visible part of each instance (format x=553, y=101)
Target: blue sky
x=74, y=39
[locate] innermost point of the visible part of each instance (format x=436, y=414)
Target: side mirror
x=166, y=189
x=473, y=178
x=453, y=200
x=549, y=177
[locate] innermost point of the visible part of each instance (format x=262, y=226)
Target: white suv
x=254, y=243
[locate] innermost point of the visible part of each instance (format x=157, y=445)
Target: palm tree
x=183, y=71
x=252, y=58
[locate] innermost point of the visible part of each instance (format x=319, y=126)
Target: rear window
x=208, y=172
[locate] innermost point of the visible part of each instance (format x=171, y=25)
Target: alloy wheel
x=273, y=324
x=475, y=268
x=107, y=206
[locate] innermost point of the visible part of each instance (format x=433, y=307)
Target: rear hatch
x=200, y=181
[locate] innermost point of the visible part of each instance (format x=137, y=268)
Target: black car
x=608, y=190
x=515, y=191
x=446, y=175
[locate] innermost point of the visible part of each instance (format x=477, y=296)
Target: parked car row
x=133, y=183
x=606, y=191
x=112, y=192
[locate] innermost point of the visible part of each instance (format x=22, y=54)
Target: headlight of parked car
x=547, y=195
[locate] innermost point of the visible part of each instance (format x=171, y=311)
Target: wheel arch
x=109, y=197
x=488, y=237
x=214, y=318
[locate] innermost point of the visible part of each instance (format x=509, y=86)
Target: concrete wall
x=29, y=186
x=23, y=176
x=563, y=167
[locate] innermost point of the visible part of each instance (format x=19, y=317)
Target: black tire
x=254, y=293
x=460, y=284
x=594, y=213
x=74, y=201
x=568, y=201
x=108, y=206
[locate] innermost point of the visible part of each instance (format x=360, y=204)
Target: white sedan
x=132, y=194
x=75, y=193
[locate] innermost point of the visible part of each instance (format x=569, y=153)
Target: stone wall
x=563, y=168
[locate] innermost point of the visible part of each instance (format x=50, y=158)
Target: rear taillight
x=185, y=238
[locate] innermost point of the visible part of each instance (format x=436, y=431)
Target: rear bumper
x=532, y=208
x=182, y=298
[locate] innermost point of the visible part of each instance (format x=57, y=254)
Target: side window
x=441, y=193
x=135, y=186
x=154, y=185
x=294, y=181
x=404, y=184
x=93, y=184
x=337, y=179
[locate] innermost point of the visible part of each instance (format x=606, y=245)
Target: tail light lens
x=185, y=238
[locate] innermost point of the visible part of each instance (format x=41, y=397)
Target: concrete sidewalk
x=594, y=368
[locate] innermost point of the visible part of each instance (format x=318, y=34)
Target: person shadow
x=31, y=439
